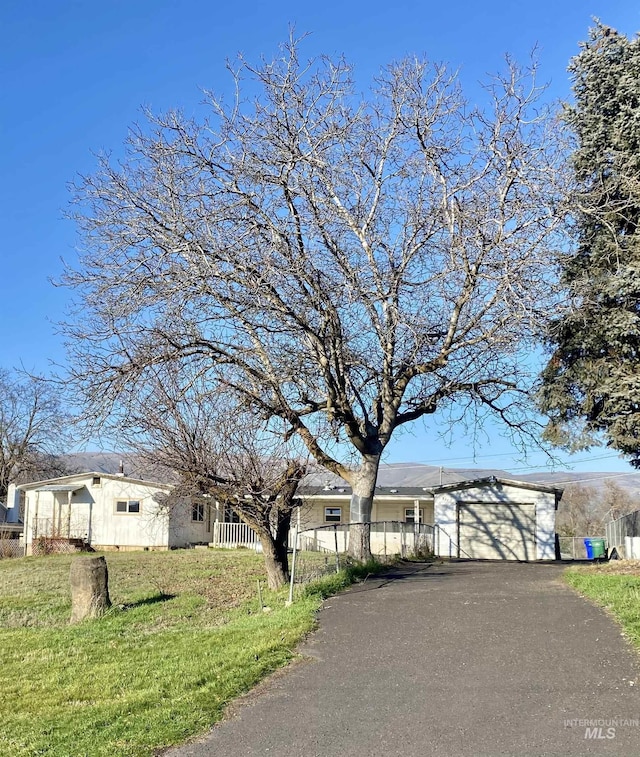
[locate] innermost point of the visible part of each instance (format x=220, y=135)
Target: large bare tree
x=33, y=430
x=349, y=264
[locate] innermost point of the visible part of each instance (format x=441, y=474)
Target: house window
x=332, y=514
x=96, y=481
x=231, y=516
x=197, y=512
x=410, y=515
x=128, y=506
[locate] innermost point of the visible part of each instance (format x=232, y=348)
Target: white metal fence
x=323, y=550
x=53, y=528
x=388, y=538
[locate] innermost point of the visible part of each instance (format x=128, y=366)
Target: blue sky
x=75, y=74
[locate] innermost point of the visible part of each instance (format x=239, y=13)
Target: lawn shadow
x=161, y=597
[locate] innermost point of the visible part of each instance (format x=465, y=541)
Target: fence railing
x=388, y=538
x=52, y=528
x=322, y=550
x=233, y=535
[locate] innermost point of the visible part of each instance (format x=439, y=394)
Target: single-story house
x=489, y=517
x=107, y=511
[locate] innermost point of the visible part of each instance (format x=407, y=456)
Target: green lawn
x=616, y=587
x=185, y=636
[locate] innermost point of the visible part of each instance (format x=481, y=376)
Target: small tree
x=348, y=265
x=580, y=512
x=221, y=452
x=592, y=381
x=33, y=430
x=617, y=501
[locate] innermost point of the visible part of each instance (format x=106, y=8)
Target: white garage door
x=497, y=531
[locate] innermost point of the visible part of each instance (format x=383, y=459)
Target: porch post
x=35, y=516
x=69, y=494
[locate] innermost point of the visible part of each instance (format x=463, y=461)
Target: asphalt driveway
x=455, y=659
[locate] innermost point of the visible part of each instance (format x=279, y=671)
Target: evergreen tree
x=591, y=385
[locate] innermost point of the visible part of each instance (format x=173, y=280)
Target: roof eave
x=91, y=474
x=501, y=481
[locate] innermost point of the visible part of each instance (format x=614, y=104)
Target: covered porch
x=59, y=524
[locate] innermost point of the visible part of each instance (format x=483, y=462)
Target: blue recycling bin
x=588, y=544
x=596, y=548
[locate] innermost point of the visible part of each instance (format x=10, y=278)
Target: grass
x=616, y=587
x=185, y=636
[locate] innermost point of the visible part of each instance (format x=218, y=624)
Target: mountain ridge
x=391, y=475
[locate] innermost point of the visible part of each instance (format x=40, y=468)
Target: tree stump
x=89, y=588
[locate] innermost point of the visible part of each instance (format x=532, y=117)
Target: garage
x=492, y=531
x=495, y=519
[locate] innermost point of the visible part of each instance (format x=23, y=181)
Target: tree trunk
x=275, y=550
x=363, y=488
x=89, y=588
x=276, y=561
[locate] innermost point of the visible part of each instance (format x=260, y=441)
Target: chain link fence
x=573, y=547
x=623, y=533
x=320, y=551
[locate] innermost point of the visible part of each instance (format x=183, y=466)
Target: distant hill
x=630, y=482
x=414, y=476
x=131, y=465
x=418, y=476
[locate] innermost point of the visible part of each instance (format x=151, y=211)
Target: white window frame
x=198, y=509
x=410, y=514
x=128, y=503
x=96, y=481
x=231, y=516
x=331, y=518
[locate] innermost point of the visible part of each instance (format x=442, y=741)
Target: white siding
x=93, y=512
x=183, y=530
x=148, y=528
